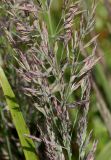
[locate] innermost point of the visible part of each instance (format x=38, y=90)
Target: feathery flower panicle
x=68, y=22
x=82, y=123
x=44, y=77
x=44, y=36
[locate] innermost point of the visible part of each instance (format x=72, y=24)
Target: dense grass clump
x=55, y=75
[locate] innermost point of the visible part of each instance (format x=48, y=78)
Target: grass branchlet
x=53, y=70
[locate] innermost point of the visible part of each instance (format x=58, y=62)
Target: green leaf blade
x=18, y=120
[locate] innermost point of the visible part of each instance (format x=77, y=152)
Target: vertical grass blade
x=18, y=120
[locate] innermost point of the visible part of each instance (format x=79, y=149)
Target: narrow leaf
x=18, y=120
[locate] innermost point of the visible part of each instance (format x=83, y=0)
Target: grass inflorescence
x=53, y=69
